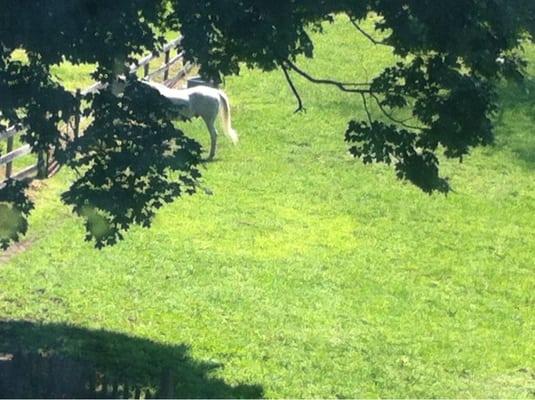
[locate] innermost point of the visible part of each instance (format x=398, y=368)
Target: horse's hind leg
x=209, y=116
x=213, y=140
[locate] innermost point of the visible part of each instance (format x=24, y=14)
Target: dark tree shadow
x=516, y=118
x=61, y=361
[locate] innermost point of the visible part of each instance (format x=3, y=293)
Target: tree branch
x=340, y=85
x=294, y=89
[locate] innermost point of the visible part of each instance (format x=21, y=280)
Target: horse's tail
x=229, y=131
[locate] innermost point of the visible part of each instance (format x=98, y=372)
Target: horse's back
x=195, y=101
x=204, y=100
x=202, y=91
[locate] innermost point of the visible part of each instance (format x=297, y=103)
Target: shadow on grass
x=515, y=120
x=61, y=361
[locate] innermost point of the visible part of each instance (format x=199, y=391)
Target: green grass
x=307, y=274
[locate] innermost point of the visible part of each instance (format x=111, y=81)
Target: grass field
x=305, y=274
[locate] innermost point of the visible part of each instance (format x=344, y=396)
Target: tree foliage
x=451, y=55
x=14, y=210
x=130, y=155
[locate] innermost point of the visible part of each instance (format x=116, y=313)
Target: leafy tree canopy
x=451, y=53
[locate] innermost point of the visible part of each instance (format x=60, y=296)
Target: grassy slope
x=307, y=273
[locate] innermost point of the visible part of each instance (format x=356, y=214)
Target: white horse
x=204, y=102
x=198, y=101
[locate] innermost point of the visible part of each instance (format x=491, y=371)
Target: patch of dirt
x=517, y=384
x=15, y=249
x=35, y=187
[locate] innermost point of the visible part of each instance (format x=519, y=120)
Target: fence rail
x=45, y=166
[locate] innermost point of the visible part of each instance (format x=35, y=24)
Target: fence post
x=77, y=113
x=166, y=71
x=9, y=165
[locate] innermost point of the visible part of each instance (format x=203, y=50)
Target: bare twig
x=366, y=108
x=391, y=117
x=294, y=90
x=367, y=35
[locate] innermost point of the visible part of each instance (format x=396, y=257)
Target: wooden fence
x=45, y=165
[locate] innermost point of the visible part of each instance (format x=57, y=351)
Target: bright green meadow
x=299, y=271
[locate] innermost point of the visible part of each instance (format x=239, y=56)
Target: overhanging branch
x=340, y=85
x=345, y=88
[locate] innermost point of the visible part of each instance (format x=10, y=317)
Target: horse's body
x=204, y=102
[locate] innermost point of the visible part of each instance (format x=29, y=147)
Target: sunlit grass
x=306, y=272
